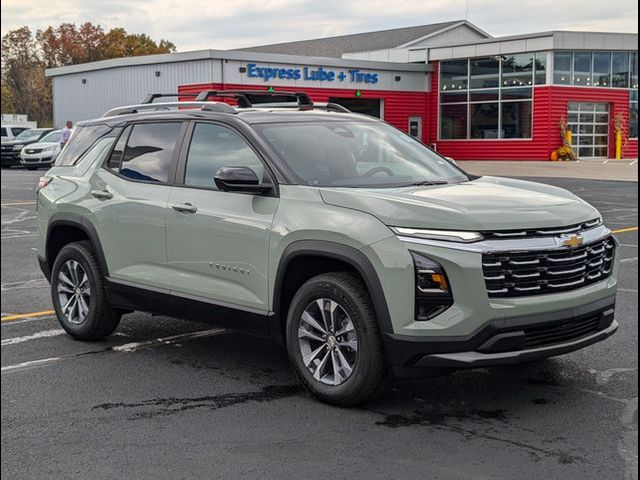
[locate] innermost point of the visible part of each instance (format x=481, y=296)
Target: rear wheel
x=333, y=339
x=78, y=294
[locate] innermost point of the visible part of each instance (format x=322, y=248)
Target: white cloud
x=238, y=23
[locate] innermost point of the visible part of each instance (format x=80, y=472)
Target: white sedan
x=43, y=153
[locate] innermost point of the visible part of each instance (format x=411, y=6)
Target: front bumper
x=506, y=340
x=43, y=158
x=10, y=158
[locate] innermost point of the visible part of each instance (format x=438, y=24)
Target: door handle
x=102, y=194
x=185, y=208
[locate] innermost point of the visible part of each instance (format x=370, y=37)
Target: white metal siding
x=455, y=35
x=105, y=89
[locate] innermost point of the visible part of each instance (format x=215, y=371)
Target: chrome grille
x=515, y=274
x=542, y=232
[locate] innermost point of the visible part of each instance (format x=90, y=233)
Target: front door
x=589, y=126
x=218, y=242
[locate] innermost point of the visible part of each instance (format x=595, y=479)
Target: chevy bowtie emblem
x=572, y=241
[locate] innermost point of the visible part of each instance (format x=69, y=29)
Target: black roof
x=358, y=42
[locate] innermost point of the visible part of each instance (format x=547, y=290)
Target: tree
x=7, y=100
x=25, y=56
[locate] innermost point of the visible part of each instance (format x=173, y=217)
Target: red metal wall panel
x=398, y=106
x=550, y=102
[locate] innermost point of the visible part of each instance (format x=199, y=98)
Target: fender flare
x=80, y=222
x=335, y=251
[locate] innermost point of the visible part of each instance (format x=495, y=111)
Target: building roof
x=359, y=42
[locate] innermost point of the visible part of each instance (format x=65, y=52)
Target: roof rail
x=249, y=98
x=152, y=96
x=164, y=106
x=336, y=107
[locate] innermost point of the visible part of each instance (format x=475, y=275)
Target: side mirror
x=239, y=179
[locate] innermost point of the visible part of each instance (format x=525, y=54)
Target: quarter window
x=149, y=151
x=213, y=147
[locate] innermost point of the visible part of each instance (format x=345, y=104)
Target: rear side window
x=80, y=141
x=149, y=151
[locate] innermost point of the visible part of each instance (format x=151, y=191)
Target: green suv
x=364, y=252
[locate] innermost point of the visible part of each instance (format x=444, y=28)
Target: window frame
x=171, y=174
x=499, y=101
x=181, y=166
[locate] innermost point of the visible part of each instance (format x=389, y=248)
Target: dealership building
x=452, y=85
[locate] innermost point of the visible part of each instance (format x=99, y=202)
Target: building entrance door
x=589, y=125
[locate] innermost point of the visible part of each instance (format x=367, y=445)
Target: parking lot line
x=20, y=316
x=17, y=204
x=623, y=230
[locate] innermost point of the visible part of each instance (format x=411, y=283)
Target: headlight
x=51, y=148
x=433, y=292
x=18, y=147
x=444, y=235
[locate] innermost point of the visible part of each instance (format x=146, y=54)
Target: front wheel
x=78, y=294
x=333, y=339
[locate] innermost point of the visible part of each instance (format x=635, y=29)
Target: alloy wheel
x=74, y=292
x=328, y=341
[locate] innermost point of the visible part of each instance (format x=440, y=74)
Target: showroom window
x=489, y=98
x=596, y=69
x=620, y=69
x=562, y=68
x=633, y=114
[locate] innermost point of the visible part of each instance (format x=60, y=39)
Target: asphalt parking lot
x=164, y=398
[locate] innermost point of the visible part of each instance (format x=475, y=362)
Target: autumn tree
x=26, y=55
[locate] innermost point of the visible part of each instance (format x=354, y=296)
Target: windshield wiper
x=428, y=182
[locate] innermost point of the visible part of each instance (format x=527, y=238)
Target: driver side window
x=212, y=147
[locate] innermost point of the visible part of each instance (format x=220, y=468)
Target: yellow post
x=618, y=145
x=568, y=137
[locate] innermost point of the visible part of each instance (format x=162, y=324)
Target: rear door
x=218, y=242
x=130, y=197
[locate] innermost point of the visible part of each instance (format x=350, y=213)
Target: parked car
x=9, y=132
x=10, y=151
x=42, y=153
x=363, y=251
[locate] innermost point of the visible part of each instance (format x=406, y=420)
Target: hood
x=487, y=203
x=43, y=144
x=18, y=142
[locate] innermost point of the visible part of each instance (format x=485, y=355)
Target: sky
x=226, y=24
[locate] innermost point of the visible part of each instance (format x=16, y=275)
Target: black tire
x=369, y=370
x=101, y=319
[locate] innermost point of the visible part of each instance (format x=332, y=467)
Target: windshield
x=357, y=154
x=53, y=137
x=29, y=135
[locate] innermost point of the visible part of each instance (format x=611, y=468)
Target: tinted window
x=115, y=159
x=80, y=141
x=213, y=147
x=4, y=132
x=149, y=151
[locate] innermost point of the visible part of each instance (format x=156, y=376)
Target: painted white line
x=627, y=260
x=126, y=348
x=35, y=336
x=133, y=346
x=32, y=363
x=628, y=290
